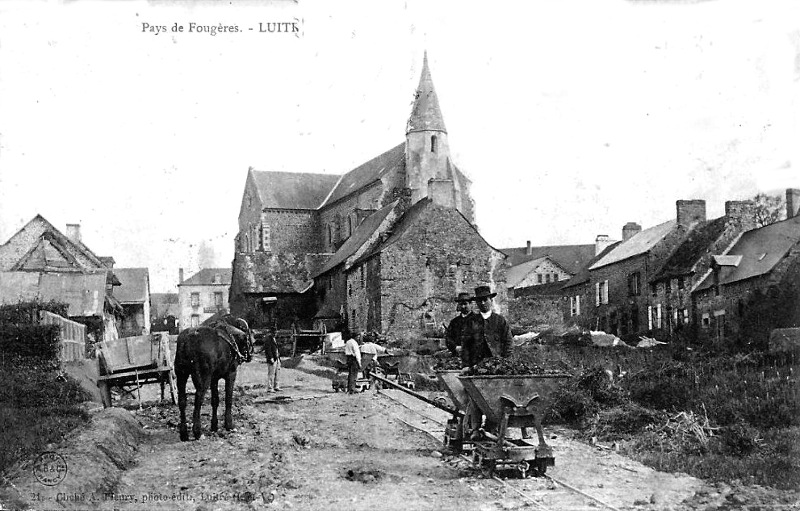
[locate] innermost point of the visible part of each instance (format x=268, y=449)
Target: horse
x=207, y=353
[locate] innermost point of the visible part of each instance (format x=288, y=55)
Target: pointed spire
x=426, y=115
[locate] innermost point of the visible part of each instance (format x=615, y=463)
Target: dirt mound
x=89, y=461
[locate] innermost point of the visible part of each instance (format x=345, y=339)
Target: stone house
x=621, y=302
x=536, y=272
x=39, y=262
x=752, y=286
x=134, y=296
x=298, y=230
x=671, y=309
x=202, y=295
x=578, y=293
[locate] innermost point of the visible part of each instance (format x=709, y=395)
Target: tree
x=768, y=209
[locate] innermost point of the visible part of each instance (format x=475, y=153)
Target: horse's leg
x=200, y=386
x=214, y=403
x=230, y=379
x=181, y=376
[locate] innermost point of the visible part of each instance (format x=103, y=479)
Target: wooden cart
x=130, y=362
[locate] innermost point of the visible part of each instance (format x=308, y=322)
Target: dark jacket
x=487, y=338
x=457, y=332
x=271, y=349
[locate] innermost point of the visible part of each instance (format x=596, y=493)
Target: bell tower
x=427, y=148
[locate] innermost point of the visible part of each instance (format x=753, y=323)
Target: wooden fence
x=72, y=333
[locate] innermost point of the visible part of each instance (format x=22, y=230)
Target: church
x=384, y=247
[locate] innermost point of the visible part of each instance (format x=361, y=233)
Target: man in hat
x=489, y=336
x=458, y=329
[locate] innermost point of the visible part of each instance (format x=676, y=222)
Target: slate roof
x=205, y=277
x=366, y=173
x=570, y=257
x=582, y=276
x=683, y=259
x=639, y=244
x=362, y=234
x=85, y=294
x=760, y=250
x=134, y=285
x=426, y=114
x=293, y=190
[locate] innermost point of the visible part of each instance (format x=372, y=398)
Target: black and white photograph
x=399, y=255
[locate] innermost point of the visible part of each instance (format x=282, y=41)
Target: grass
x=746, y=407
x=38, y=406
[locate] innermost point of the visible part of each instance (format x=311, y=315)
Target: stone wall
x=536, y=311
x=421, y=274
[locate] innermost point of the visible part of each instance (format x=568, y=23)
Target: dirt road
x=310, y=448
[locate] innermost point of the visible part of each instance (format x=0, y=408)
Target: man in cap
x=489, y=336
x=458, y=329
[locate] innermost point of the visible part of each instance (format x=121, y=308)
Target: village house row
x=387, y=246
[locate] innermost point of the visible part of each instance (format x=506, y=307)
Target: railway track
x=519, y=487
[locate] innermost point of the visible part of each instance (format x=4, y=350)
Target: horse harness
x=222, y=330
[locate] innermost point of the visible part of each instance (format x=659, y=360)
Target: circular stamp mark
x=50, y=468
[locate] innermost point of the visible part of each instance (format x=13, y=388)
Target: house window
x=668, y=286
x=649, y=317
x=575, y=305
x=680, y=283
x=433, y=143
x=195, y=320
x=706, y=320
x=195, y=299
x=654, y=289
x=547, y=277
x=538, y=278
x=218, y=300
x=330, y=234
x=555, y=277
x=264, y=241
x=601, y=292
x=658, y=316
x=685, y=316
x=719, y=324
x=634, y=284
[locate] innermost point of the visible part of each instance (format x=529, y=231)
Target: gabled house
x=401, y=270
x=202, y=295
x=134, y=296
x=536, y=272
x=754, y=285
x=621, y=302
x=296, y=230
x=569, y=259
x=39, y=262
x=671, y=308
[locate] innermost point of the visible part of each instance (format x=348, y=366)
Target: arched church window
x=433, y=143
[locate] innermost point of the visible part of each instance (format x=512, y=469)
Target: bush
x=27, y=313
x=40, y=341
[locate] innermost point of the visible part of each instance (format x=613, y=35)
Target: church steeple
x=426, y=114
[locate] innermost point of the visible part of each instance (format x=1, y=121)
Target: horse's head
x=247, y=343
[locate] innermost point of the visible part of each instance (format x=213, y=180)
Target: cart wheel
x=523, y=467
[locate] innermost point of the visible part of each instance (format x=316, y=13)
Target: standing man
x=353, y=355
x=489, y=336
x=371, y=348
x=273, y=363
x=458, y=329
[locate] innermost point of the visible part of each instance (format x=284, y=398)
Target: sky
x=571, y=117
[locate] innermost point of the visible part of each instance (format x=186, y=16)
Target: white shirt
x=351, y=348
x=486, y=315
x=371, y=347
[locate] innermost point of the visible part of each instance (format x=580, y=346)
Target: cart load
x=513, y=401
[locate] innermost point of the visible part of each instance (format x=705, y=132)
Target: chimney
x=442, y=192
x=528, y=250
x=792, y=202
x=601, y=242
x=630, y=230
x=690, y=211
x=741, y=211
x=180, y=275
x=74, y=232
